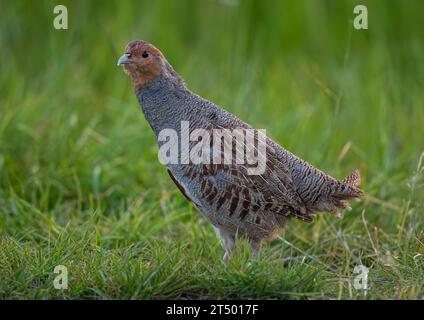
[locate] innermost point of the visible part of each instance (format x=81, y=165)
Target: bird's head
x=143, y=62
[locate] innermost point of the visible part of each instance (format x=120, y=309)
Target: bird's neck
x=165, y=103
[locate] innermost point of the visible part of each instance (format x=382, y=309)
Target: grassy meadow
x=81, y=186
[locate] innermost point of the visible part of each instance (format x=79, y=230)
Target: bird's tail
x=347, y=189
x=354, y=179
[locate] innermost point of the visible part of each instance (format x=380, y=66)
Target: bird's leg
x=226, y=257
x=227, y=241
x=255, y=245
x=228, y=244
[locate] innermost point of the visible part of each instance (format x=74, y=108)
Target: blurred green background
x=80, y=183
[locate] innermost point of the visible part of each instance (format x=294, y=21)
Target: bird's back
x=317, y=190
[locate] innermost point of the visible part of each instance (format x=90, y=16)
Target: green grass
x=80, y=184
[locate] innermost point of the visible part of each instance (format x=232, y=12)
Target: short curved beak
x=124, y=59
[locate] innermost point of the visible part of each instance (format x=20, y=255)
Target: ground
x=81, y=186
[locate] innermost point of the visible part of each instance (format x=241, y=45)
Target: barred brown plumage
x=235, y=202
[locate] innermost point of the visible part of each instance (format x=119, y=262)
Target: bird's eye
x=145, y=54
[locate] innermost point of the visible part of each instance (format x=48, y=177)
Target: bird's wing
x=234, y=186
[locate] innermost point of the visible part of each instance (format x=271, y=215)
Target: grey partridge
x=236, y=202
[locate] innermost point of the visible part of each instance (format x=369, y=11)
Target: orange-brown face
x=143, y=62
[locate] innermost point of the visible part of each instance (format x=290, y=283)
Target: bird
x=237, y=203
